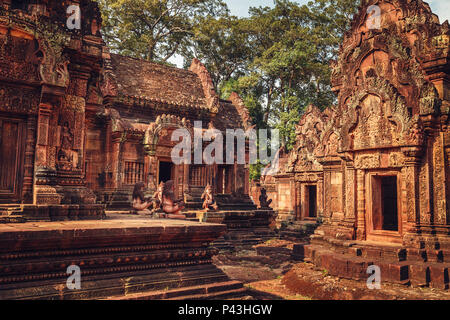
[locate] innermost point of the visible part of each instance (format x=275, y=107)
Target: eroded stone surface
x=376, y=167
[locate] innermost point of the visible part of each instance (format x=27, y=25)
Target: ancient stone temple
x=80, y=126
x=375, y=168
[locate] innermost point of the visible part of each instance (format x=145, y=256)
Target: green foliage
x=153, y=29
x=277, y=59
x=286, y=125
x=221, y=44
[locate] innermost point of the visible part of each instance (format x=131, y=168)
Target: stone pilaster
x=27, y=191
x=361, y=206
x=45, y=191
x=350, y=178
x=327, y=194
x=116, y=155
x=447, y=174
x=320, y=195
x=440, y=199
x=410, y=184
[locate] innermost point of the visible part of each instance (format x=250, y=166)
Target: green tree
x=154, y=30
x=292, y=46
x=221, y=44
x=277, y=59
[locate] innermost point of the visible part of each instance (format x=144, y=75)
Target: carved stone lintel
x=413, y=155
x=367, y=161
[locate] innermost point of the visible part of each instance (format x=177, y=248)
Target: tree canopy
x=277, y=59
x=154, y=30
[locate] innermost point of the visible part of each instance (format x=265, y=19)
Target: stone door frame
x=304, y=201
x=382, y=235
x=16, y=195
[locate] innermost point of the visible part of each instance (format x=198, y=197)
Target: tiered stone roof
x=150, y=81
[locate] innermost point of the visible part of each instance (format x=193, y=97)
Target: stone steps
x=220, y=290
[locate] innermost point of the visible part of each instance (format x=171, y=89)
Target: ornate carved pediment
x=153, y=132
x=309, y=132
x=40, y=48
x=375, y=115
x=401, y=49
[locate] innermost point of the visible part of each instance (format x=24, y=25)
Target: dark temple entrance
x=389, y=203
x=165, y=171
x=385, y=205
x=12, y=147
x=224, y=178
x=312, y=201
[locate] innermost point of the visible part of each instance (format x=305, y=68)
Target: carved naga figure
x=209, y=203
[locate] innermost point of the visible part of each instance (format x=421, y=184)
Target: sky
x=240, y=9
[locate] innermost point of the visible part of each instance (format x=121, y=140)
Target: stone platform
x=19, y=213
x=298, y=230
x=245, y=228
x=399, y=264
x=117, y=257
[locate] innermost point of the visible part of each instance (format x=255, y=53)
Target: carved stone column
x=361, y=205
x=45, y=173
x=116, y=159
x=447, y=184
x=350, y=179
x=410, y=185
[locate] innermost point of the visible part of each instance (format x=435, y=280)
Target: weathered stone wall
x=391, y=122
x=85, y=113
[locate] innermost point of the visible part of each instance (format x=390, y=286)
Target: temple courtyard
x=114, y=184
x=130, y=257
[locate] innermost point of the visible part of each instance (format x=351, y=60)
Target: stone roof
x=228, y=117
x=156, y=82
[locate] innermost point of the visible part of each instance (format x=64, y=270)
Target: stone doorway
x=307, y=202
x=389, y=208
x=224, y=176
x=312, y=201
x=384, y=218
x=12, y=147
x=166, y=171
